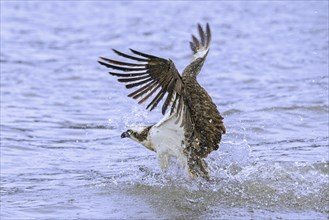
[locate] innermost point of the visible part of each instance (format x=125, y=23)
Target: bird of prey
x=192, y=127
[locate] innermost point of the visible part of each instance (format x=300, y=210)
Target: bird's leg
x=164, y=161
x=198, y=167
x=204, y=168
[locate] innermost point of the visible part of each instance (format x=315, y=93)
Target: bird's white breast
x=167, y=137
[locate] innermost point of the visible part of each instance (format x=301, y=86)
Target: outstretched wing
x=208, y=126
x=150, y=74
x=201, y=47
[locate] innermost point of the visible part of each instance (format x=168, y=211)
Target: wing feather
x=132, y=79
x=208, y=34
x=129, y=86
x=169, y=96
x=120, y=63
x=149, y=94
x=195, y=41
x=154, y=75
x=202, y=34
x=156, y=100
x=146, y=55
x=202, y=44
x=129, y=57
x=141, y=91
x=125, y=69
x=128, y=75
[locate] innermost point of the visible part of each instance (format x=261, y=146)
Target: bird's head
x=139, y=134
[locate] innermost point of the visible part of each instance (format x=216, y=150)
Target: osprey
x=192, y=128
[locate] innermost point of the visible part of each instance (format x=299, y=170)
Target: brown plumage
x=158, y=78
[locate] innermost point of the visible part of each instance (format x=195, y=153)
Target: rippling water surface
x=62, y=114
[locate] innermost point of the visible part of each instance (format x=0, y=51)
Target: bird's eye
x=130, y=131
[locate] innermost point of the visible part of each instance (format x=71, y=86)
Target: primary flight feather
x=193, y=127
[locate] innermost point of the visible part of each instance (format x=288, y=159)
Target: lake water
x=62, y=114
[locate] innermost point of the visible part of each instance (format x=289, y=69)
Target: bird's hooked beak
x=125, y=134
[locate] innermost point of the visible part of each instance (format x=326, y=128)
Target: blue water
x=62, y=114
